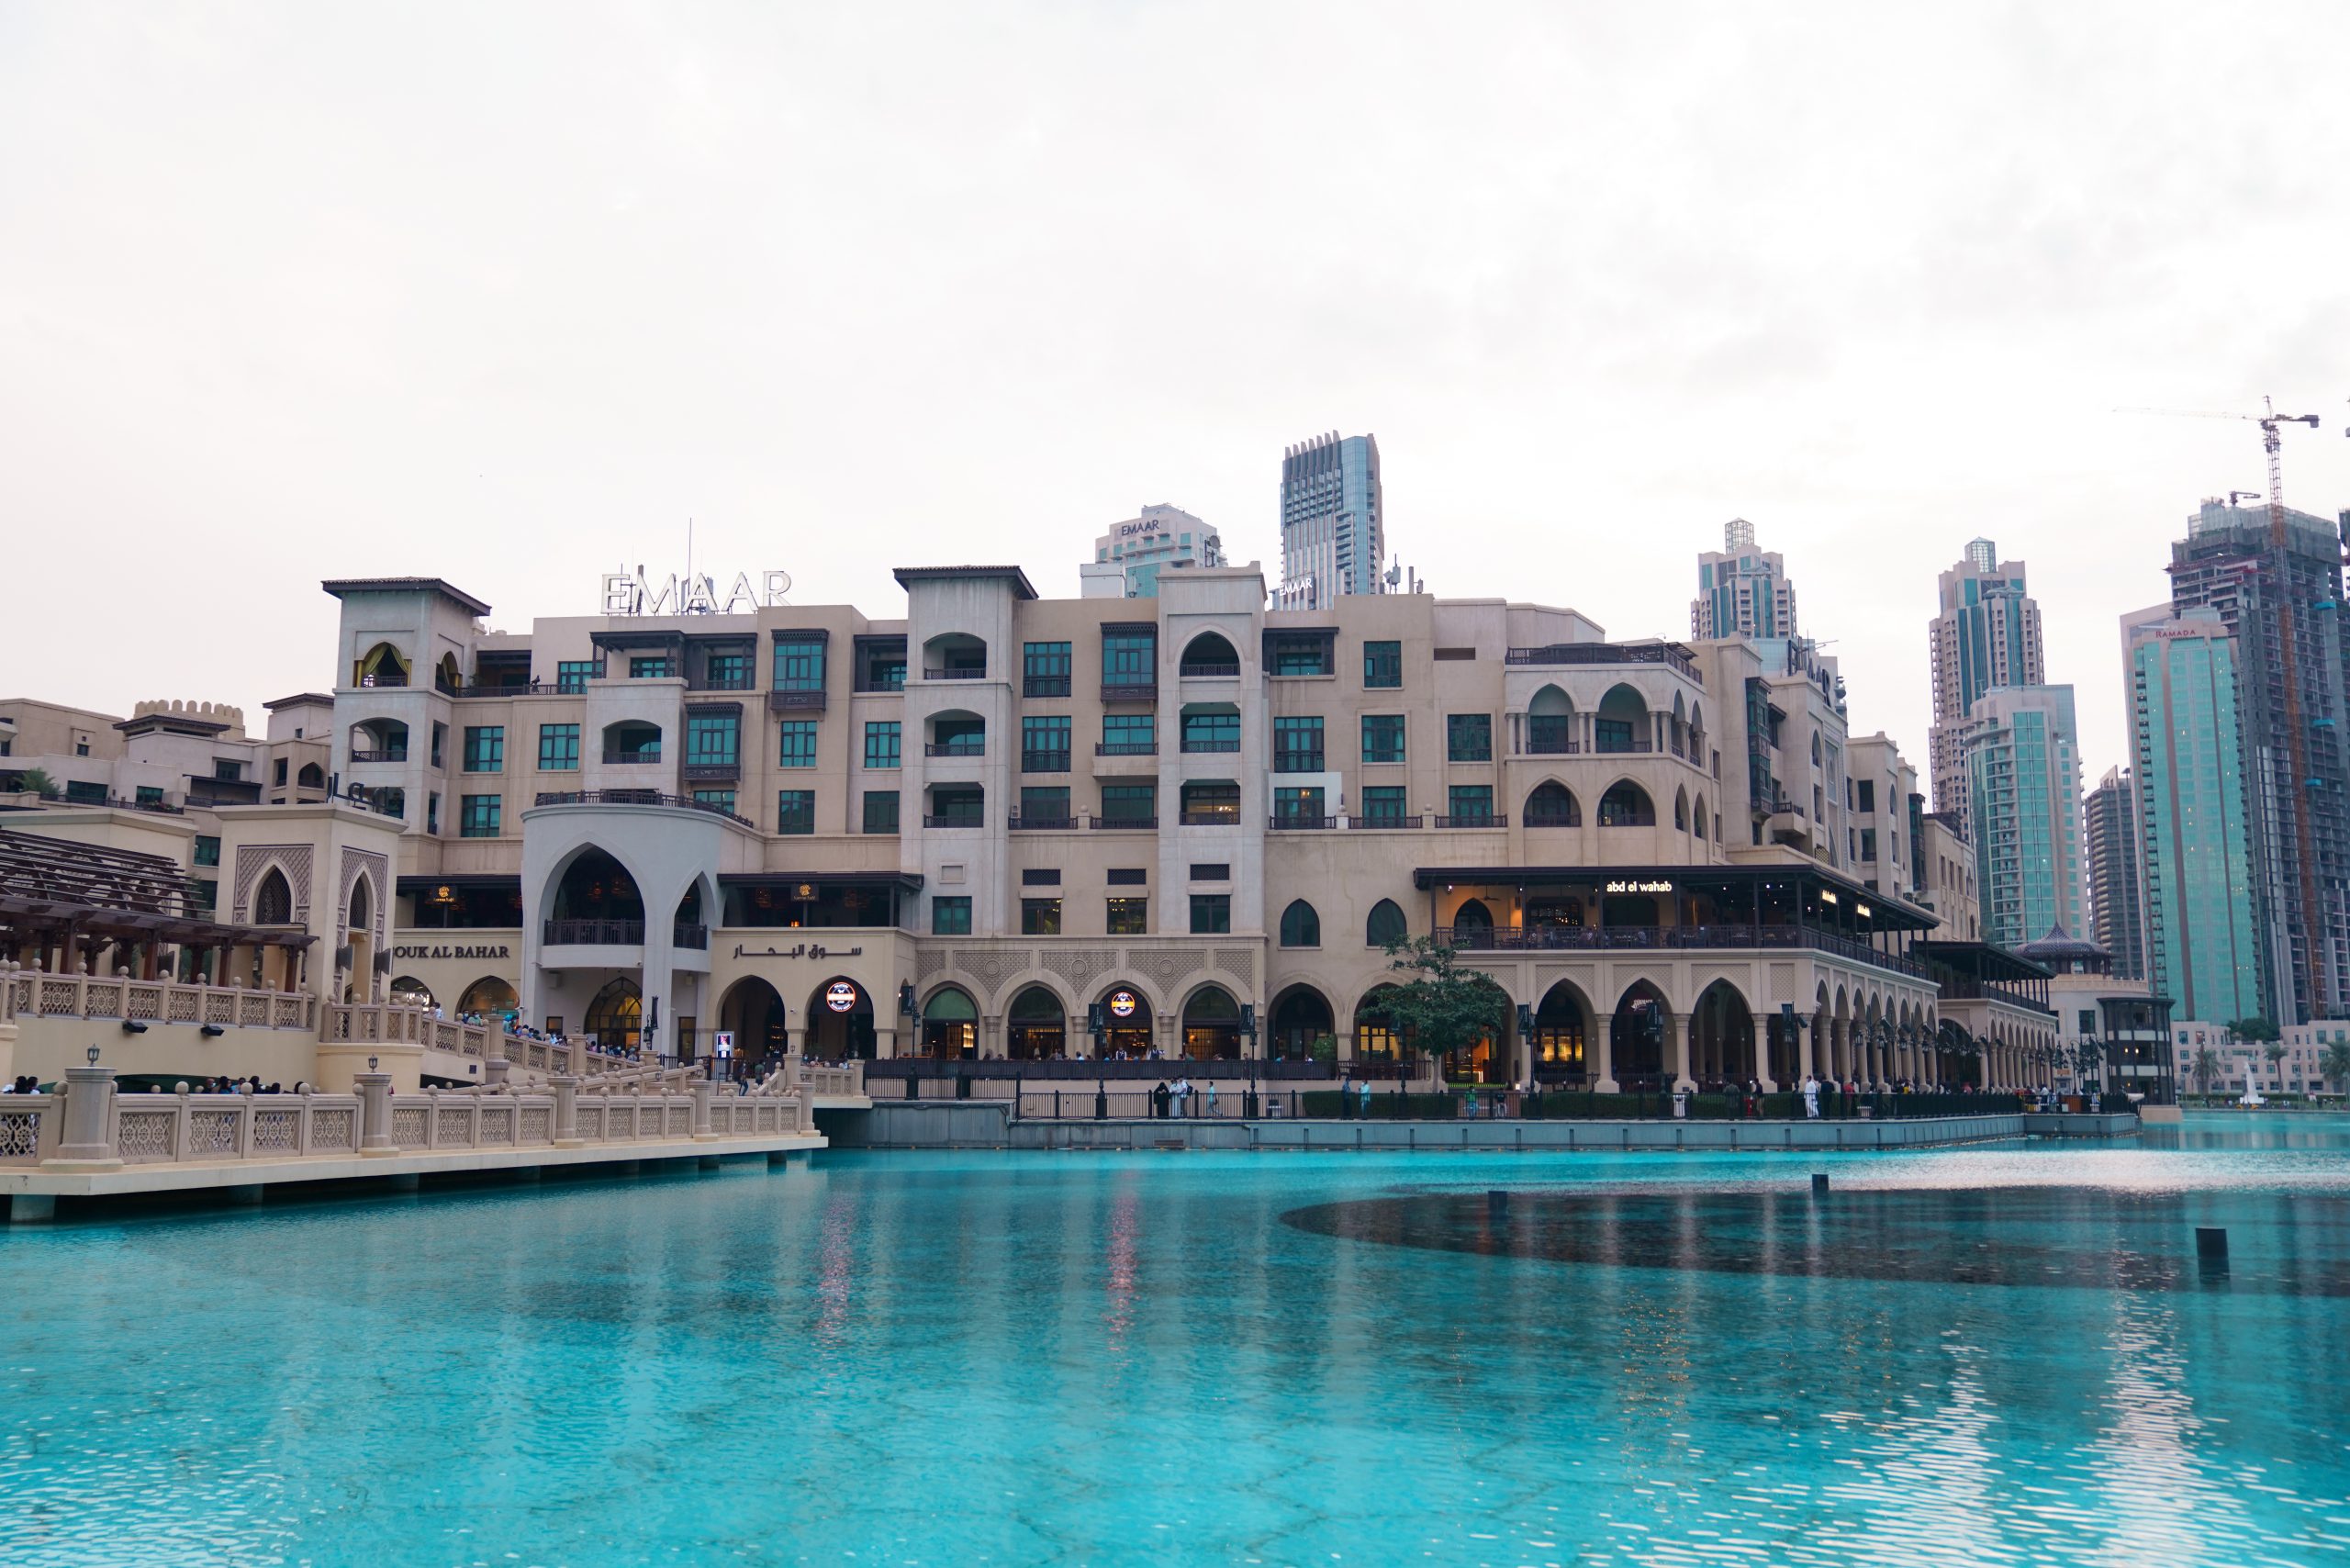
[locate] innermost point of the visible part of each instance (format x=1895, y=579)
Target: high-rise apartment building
x=1333, y=521
x=1128, y=558
x=2022, y=754
x=2110, y=821
x=1743, y=591
x=2203, y=925
x=2280, y=598
x=1986, y=634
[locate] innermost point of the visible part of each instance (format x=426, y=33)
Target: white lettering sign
x=690, y=593
x=451, y=952
x=1638, y=888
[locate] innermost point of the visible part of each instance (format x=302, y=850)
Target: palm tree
x=2275, y=1051
x=37, y=781
x=2207, y=1063
x=2337, y=1065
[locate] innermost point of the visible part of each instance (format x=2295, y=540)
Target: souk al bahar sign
x=690, y=593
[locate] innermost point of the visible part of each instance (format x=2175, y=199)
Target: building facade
x=1743, y=591
x=2205, y=939
x=1334, y=525
x=1985, y=635
x=1128, y=558
x=2277, y=592
x=2021, y=749
x=2117, y=896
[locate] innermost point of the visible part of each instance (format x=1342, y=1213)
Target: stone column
x=705, y=1092
x=885, y=1041
x=494, y=1070
x=374, y=1112
x=88, y=1141
x=1677, y=1033
x=1603, y=1065
x=566, y=1113
x=1763, y=1027
x=795, y=1039
x=1806, y=1046
x=992, y=1041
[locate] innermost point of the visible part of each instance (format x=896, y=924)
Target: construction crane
x=2272, y=423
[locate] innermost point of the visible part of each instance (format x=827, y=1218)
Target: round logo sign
x=1122, y=1004
x=840, y=996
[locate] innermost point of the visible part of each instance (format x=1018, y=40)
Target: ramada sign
x=690, y=593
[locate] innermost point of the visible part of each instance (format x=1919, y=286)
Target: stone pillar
x=795, y=1039
x=1677, y=1035
x=1763, y=1027
x=374, y=1112
x=705, y=1092
x=494, y=1070
x=88, y=1141
x=566, y=1113
x=992, y=1042
x=1806, y=1047
x=1603, y=1066
x=885, y=1041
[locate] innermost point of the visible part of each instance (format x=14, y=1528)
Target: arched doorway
x=489, y=999
x=753, y=1012
x=1125, y=1024
x=274, y=900
x=840, y=1022
x=1039, y=1025
x=1559, y=1039
x=1300, y=1020
x=1636, y=1038
x=1472, y=924
x=950, y=1026
x=596, y=900
x=1377, y=1044
x=359, y=932
x=1722, y=1036
x=614, y=1020
x=407, y=991
x=1212, y=1025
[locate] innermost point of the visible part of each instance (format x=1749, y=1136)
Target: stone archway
x=1722, y=1036
x=839, y=1020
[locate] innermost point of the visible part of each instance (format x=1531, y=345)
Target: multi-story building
x=1885, y=816
x=1946, y=879
x=1128, y=558
x=2206, y=944
x=2278, y=592
x=168, y=753
x=2022, y=754
x=2110, y=821
x=1743, y=591
x=1334, y=530
x=1985, y=635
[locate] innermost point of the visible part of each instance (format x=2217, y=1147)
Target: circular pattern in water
x=2081, y=1237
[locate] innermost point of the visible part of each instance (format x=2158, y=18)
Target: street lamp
x=93, y=1053
x=371, y=1064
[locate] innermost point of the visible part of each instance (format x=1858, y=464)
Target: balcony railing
x=796, y=700
x=1126, y=748
x=594, y=934
x=1205, y=670
x=1043, y=762
x=384, y=678
x=1551, y=819
x=1300, y=821
x=1212, y=818
x=1585, y=939
x=1200, y=748
x=524, y=688
x=1616, y=745
x=383, y=753
x=1550, y=738
x=954, y=819
x=1606, y=654
x=1297, y=762
x=957, y=672
x=1131, y=823
x=712, y=772
x=1473, y=819
x=743, y=682
x=976, y=747
x=1044, y=686
x=685, y=935
x=620, y=756
x=1129, y=690
x=1041, y=821
x=1359, y=824
x=634, y=798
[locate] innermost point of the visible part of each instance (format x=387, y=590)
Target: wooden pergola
x=70, y=908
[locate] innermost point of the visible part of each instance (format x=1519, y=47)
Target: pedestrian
x=1211, y=1099
x=1811, y=1097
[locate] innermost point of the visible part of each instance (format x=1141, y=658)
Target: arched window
x=1472, y=924
x=1385, y=925
x=1697, y=817
x=1301, y=927
x=1622, y=720
x=1815, y=751
x=1552, y=805
x=1209, y=655
x=1626, y=804
x=312, y=776
x=613, y=1017
x=488, y=997
x=274, y=900
x=1681, y=811
x=407, y=991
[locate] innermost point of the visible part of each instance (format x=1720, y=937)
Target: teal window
x=795, y=811
x=559, y=748
x=1045, y=669
x=1297, y=807
x=485, y=748
x=880, y=811
x=1297, y=746
x=1471, y=802
x=950, y=916
x=1210, y=915
x=883, y=739
x=207, y=850
x=1383, y=666
x=799, y=664
x=796, y=743
x=1469, y=737
x=1129, y=802
x=713, y=740
x=573, y=675
x=152, y=794
x=727, y=672
x=716, y=799
x=1039, y=806
x=1300, y=654
x=1212, y=732
x=1129, y=735
x=649, y=667
x=1044, y=744
x=1383, y=737
x=1130, y=658
x=477, y=816
x=1385, y=925
x=1383, y=803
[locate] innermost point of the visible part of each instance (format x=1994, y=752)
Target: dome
x=2061, y=951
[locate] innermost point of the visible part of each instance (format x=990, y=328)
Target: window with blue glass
x=950, y=915
x=1472, y=802
x=1297, y=808
x=478, y=816
x=796, y=743
x=795, y=811
x=485, y=748
x=1469, y=737
x=207, y=849
x=559, y=748
x=1383, y=803
x=1212, y=730
x=727, y=672
x=1383, y=666
x=799, y=664
x=883, y=737
x=1045, y=669
x=1130, y=657
x=716, y=799
x=713, y=740
x=1040, y=806
x=1297, y=746
x=1383, y=737
x=573, y=675
x=1129, y=735
x=649, y=667
x=1043, y=742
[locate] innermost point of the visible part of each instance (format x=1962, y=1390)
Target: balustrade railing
x=34, y=994
x=598, y=932
x=1527, y=938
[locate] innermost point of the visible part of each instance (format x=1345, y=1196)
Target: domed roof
x=2060, y=947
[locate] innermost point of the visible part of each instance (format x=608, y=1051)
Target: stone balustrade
x=33, y=993
x=815, y=1078
x=392, y=1023
x=90, y=1124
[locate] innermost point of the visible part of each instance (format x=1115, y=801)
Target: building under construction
x=2281, y=603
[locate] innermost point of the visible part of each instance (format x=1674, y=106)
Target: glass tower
x=1986, y=634
x=1743, y=591
x=1333, y=526
x=2023, y=772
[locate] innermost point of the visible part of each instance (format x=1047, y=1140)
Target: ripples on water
x=1653, y=1359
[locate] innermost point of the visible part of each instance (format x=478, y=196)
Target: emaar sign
x=690, y=593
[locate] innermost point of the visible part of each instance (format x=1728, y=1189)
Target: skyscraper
x=1128, y=558
x=2202, y=921
x=2280, y=599
x=1333, y=522
x=1986, y=634
x=2109, y=820
x=1743, y=591
x=2022, y=752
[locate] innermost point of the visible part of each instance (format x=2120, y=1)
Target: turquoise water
x=2001, y=1354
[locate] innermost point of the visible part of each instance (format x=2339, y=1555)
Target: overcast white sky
x=504, y=293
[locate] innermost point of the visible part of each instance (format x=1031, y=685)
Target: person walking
x=1811, y=1097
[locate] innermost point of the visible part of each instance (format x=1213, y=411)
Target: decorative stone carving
x=1238, y=961
x=379, y=870
x=1168, y=966
x=928, y=961
x=992, y=965
x=1078, y=965
x=294, y=859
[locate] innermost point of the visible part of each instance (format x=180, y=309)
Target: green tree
x=2275, y=1052
x=37, y=781
x=2207, y=1063
x=1442, y=1008
x=2337, y=1065
x=2253, y=1031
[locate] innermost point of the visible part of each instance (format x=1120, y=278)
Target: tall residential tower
x=2109, y=817
x=1743, y=591
x=1985, y=635
x=2023, y=757
x=1128, y=558
x=1333, y=521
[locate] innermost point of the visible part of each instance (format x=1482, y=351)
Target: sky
x=506, y=293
